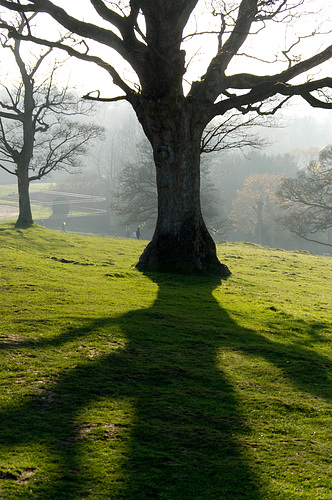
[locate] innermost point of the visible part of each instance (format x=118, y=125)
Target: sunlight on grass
x=120, y=385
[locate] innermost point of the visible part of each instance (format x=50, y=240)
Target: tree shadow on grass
x=181, y=439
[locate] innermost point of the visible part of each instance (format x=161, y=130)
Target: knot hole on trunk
x=161, y=153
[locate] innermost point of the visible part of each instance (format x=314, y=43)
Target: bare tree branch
x=209, y=87
x=86, y=30
x=307, y=199
x=73, y=53
x=90, y=97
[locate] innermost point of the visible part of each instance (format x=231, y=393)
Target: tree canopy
x=148, y=35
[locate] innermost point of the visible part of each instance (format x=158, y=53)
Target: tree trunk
x=259, y=226
x=25, y=216
x=181, y=242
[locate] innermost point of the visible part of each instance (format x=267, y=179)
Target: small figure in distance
x=138, y=233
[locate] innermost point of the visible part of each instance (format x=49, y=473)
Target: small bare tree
x=307, y=199
x=39, y=131
x=255, y=206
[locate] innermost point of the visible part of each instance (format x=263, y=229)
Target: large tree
x=149, y=36
x=38, y=133
x=307, y=199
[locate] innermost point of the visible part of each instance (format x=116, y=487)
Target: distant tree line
x=263, y=198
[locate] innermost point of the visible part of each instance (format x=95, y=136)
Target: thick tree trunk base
x=184, y=253
x=23, y=224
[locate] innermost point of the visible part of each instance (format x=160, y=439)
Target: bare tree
x=38, y=131
x=255, y=206
x=307, y=199
x=136, y=197
x=136, y=200
x=150, y=37
x=234, y=132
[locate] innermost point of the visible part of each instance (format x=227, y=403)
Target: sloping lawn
x=120, y=385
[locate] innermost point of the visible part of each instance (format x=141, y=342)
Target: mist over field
x=289, y=143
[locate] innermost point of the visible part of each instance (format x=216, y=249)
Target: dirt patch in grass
x=98, y=431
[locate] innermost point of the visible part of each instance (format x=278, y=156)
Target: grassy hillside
x=120, y=385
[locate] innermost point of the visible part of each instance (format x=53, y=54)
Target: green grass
x=120, y=385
